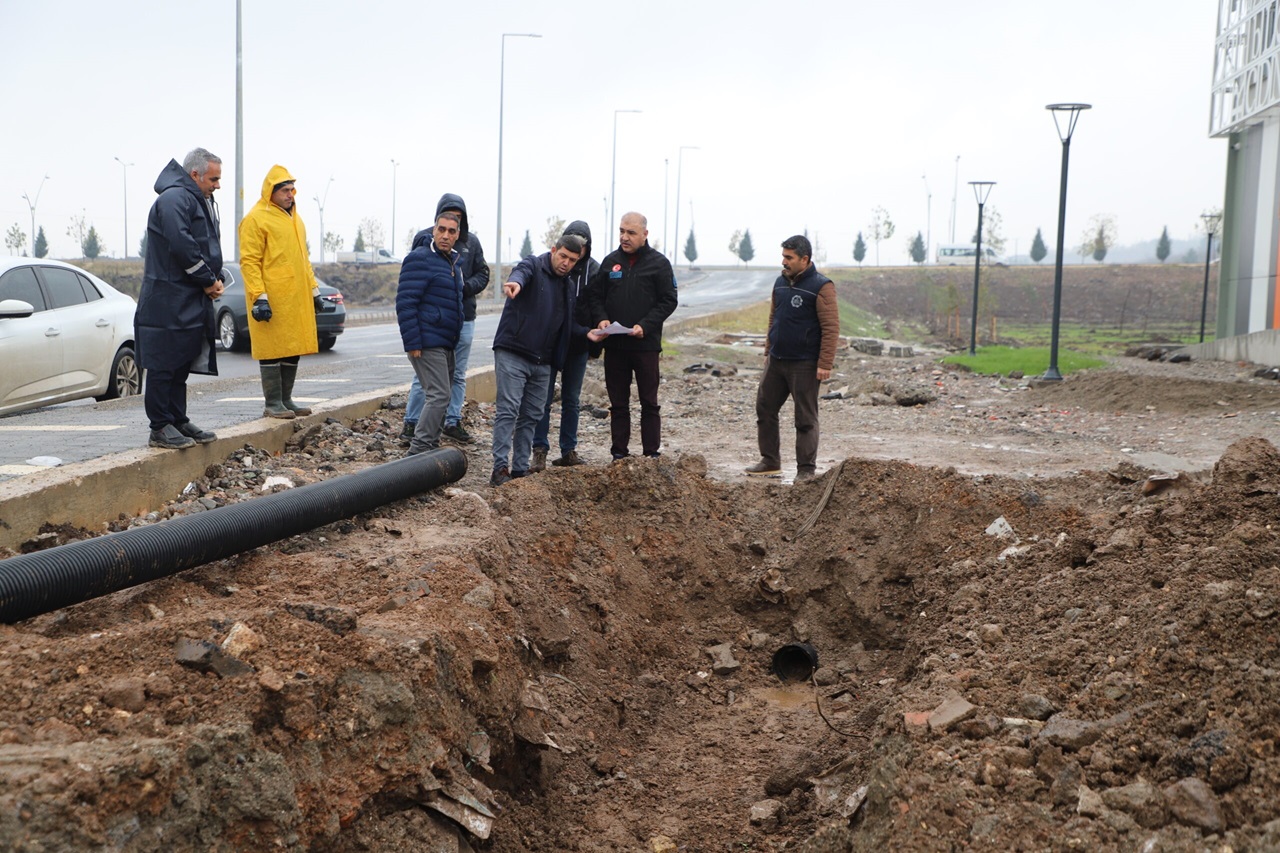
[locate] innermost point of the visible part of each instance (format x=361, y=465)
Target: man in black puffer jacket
x=636, y=289
x=573, y=371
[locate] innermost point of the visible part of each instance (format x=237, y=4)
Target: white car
x=64, y=334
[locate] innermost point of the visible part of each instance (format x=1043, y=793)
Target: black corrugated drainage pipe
x=37, y=583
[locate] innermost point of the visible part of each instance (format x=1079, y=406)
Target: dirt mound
x=581, y=660
x=1108, y=391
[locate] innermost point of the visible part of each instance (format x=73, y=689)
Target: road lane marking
x=58, y=428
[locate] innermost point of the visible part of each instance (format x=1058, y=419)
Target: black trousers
x=619, y=367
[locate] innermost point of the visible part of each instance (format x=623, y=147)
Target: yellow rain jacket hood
x=274, y=262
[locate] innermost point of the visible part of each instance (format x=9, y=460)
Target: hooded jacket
x=429, y=297
x=580, y=278
x=174, y=319
x=274, y=263
x=475, y=269
x=640, y=293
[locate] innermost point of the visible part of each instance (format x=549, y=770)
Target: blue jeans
x=575, y=368
x=461, y=355
x=521, y=397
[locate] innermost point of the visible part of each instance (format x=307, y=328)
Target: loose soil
x=528, y=667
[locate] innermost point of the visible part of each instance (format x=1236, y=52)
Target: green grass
x=1030, y=360
x=1095, y=339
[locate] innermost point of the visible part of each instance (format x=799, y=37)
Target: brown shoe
x=762, y=469
x=805, y=474
x=539, y=460
x=569, y=459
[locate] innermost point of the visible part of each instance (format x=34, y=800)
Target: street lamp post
x=1064, y=119
x=666, y=183
x=955, y=190
x=502, y=82
x=613, y=180
x=928, y=216
x=981, y=189
x=125, y=181
x=679, y=171
x=320, y=204
x=32, y=205
x=394, y=166
x=1211, y=223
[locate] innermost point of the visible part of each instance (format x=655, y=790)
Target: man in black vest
x=804, y=328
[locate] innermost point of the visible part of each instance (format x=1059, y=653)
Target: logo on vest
x=797, y=300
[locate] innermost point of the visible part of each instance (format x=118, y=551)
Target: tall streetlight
x=502, y=82
x=394, y=166
x=239, y=203
x=679, y=171
x=126, y=205
x=32, y=204
x=1064, y=119
x=928, y=216
x=1211, y=223
x=613, y=180
x=666, y=183
x=320, y=204
x=981, y=189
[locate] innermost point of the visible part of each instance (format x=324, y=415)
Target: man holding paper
x=634, y=292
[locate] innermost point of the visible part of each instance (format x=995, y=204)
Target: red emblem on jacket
x=617, y=267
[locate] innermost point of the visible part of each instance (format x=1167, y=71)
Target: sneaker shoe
x=762, y=469
x=539, y=460
x=169, y=438
x=200, y=436
x=500, y=476
x=569, y=459
x=458, y=434
x=406, y=434
x=805, y=474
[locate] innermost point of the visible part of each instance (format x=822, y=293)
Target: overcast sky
x=804, y=115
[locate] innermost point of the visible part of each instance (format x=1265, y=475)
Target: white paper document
x=616, y=329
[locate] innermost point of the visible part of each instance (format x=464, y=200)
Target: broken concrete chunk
x=722, y=660
x=240, y=640
x=954, y=710
x=204, y=656
x=482, y=597
x=1001, y=529
x=765, y=814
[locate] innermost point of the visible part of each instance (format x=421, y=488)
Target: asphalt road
x=366, y=358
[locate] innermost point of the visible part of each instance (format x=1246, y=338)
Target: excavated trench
x=581, y=661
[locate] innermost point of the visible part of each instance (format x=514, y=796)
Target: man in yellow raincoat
x=280, y=289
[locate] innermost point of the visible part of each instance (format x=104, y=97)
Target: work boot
x=539, y=460
x=458, y=434
x=406, y=434
x=500, y=476
x=804, y=474
x=569, y=459
x=273, y=391
x=289, y=373
x=168, y=438
x=763, y=469
x=200, y=436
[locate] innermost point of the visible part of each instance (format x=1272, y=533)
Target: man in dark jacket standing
x=532, y=338
x=429, y=311
x=636, y=289
x=574, y=369
x=475, y=278
x=182, y=275
x=804, y=328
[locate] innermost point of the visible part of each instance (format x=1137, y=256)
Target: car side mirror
x=15, y=309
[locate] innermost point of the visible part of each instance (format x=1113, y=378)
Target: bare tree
x=555, y=227
x=881, y=228
x=15, y=239
x=374, y=237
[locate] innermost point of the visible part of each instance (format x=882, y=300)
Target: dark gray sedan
x=233, y=315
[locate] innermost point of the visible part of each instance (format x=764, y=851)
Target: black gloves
x=261, y=310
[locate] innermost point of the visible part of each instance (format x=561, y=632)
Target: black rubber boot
x=273, y=392
x=288, y=373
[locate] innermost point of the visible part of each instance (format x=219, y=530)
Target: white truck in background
x=377, y=256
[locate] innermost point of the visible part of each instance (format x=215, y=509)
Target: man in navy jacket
x=429, y=311
x=532, y=338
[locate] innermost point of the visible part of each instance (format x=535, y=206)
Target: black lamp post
x=1211, y=223
x=981, y=189
x=1064, y=119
